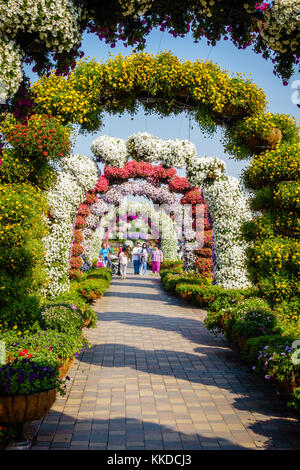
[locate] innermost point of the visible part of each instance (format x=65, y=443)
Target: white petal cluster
x=77, y=175
x=53, y=24
x=135, y=7
x=204, y=168
x=10, y=68
x=99, y=208
x=229, y=209
x=172, y=153
x=138, y=8
x=110, y=150
x=281, y=29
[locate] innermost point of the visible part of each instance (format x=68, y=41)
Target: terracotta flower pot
x=26, y=408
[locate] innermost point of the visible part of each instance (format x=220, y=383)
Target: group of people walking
x=140, y=255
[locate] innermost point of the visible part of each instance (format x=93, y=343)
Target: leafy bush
x=253, y=317
x=73, y=297
x=92, y=289
x=272, y=355
x=99, y=273
x=49, y=345
x=170, y=264
x=62, y=318
x=18, y=309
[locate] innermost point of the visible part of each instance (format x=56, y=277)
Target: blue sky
x=224, y=54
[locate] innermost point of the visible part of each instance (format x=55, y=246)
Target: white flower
x=55, y=24
x=10, y=68
x=281, y=29
x=110, y=150
x=172, y=153
x=229, y=209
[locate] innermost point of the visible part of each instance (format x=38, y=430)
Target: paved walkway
x=155, y=378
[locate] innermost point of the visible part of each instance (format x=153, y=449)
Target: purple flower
x=267, y=377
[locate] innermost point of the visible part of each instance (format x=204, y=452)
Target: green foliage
x=19, y=308
x=99, y=273
x=272, y=356
x=49, y=345
x=92, y=289
x=171, y=264
x=287, y=195
x=73, y=297
x=252, y=318
x=249, y=135
x=273, y=167
x=62, y=318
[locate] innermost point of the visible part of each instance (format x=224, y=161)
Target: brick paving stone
x=155, y=378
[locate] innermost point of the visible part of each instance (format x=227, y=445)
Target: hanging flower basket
x=182, y=92
x=25, y=408
x=258, y=144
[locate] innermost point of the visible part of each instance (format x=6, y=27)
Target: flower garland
x=158, y=195
x=76, y=176
x=144, y=147
x=204, y=169
x=146, y=212
x=133, y=169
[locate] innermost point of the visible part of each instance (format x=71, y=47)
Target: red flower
x=102, y=185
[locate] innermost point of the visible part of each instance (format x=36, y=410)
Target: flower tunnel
x=165, y=85
x=85, y=204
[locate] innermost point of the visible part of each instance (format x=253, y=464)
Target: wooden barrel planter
x=25, y=408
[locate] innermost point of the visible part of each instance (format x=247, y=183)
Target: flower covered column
x=229, y=210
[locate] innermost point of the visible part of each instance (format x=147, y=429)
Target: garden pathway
x=155, y=378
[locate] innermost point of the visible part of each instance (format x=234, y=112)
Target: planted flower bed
x=266, y=337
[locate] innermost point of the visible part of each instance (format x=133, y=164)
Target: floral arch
x=83, y=201
x=165, y=85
